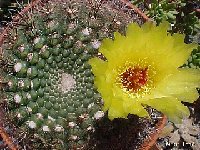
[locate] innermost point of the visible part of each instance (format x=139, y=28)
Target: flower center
x=134, y=78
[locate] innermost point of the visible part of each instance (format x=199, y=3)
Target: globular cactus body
x=49, y=83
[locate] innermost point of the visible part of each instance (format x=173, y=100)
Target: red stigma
x=134, y=78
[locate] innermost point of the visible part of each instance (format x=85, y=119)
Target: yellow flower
x=143, y=68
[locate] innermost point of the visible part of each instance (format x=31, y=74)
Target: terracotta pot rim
x=150, y=142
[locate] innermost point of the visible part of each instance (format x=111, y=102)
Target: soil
x=196, y=114
x=116, y=135
x=194, y=110
x=121, y=134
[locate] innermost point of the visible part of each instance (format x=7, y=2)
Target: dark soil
x=194, y=110
x=196, y=114
x=119, y=134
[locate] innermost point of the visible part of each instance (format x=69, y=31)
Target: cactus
x=49, y=84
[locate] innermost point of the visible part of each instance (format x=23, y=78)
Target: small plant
x=180, y=13
x=194, y=59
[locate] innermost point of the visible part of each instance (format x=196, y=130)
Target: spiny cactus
x=49, y=84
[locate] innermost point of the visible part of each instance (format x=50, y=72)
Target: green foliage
x=180, y=13
x=163, y=10
x=194, y=59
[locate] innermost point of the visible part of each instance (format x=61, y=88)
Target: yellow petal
x=178, y=38
x=116, y=110
x=106, y=47
x=171, y=107
x=105, y=90
x=163, y=26
x=106, y=104
x=158, y=35
x=98, y=66
x=132, y=106
x=118, y=37
x=133, y=40
x=190, y=95
x=133, y=30
x=182, y=85
x=151, y=27
x=182, y=81
x=147, y=27
x=179, y=53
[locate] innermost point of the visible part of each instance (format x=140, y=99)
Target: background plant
x=182, y=14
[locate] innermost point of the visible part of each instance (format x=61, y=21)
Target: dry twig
x=137, y=10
